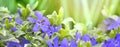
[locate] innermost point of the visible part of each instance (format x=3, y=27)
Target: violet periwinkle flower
x=42, y=23
x=77, y=35
x=9, y=18
x=14, y=29
x=64, y=43
x=17, y=44
x=87, y=38
x=13, y=44
x=112, y=24
x=113, y=42
x=18, y=20
x=19, y=12
x=73, y=43
x=24, y=41
x=53, y=29
x=93, y=41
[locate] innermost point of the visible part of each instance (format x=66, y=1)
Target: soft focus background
x=88, y=12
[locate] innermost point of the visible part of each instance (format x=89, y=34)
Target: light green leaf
x=112, y=33
x=67, y=21
x=88, y=44
x=63, y=33
x=35, y=5
x=60, y=16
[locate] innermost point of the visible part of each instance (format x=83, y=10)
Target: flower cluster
x=113, y=42
x=42, y=23
x=74, y=43
x=35, y=29
x=112, y=23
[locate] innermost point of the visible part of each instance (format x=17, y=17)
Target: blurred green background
x=88, y=12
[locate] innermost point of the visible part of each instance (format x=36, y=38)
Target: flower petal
x=14, y=29
x=77, y=35
x=38, y=14
x=35, y=28
x=32, y=20
x=113, y=26
x=49, y=43
x=93, y=41
x=86, y=37
x=64, y=43
x=73, y=43
x=44, y=28
x=18, y=20
x=19, y=12
x=13, y=44
x=55, y=42
x=24, y=41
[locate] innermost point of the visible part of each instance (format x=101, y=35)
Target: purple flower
x=93, y=41
x=18, y=20
x=56, y=42
x=49, y=43
x=55, y=28
x=73, y=43
x=9, y=18
x=52, y=29
x=13, y=44
x=42, y=22
x=117, y=37
x=19, y=12
x=64, y=43
x=113, y=42
x=38, y=14
x=36, y=27
x=32, y=20
x=14, y=29
x=86, y=37
x=109, y=43
x=24, y=41
x=44, y=28
x=77, y=35
x=112, y=24
x=16, y=44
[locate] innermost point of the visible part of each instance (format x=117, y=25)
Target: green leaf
x=100, y=38
x=3, y=32
x=35, y=5
x=8, y=25
x=25, y=12
x=67, y=24
x=60, y=16
x=19, y=5
x=88, y=44
x=53, y=18
x=56, y=19
x=18, y=33
x=80, y=44
x=112, y=34
x=63, y=33
x=24, y=28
